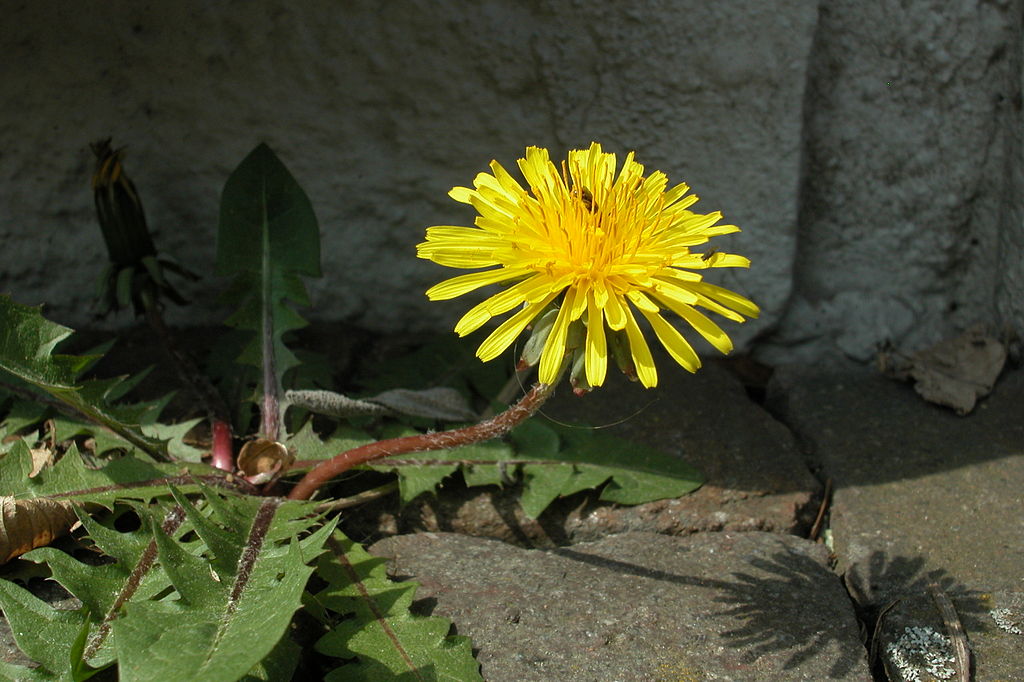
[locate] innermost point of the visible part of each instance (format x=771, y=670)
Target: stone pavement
x=922, y=497
x=927, y=509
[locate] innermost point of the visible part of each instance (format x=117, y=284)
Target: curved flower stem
x=486, y=430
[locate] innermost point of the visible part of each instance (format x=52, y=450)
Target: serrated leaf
x=100, y=587
x=268, y=237
x=27, y=341
x=638, y=473
x=585, y=459
x=69, y=479
x=277, y=666
x=542, y=485
x=308, y=446
x=43, y=633
x=143, y=414
x=414, y=480
x=224, y=625
x=22, y=414
x=534, y=438
x=480, y=458
x=386, y=639
x=230, y=595
x=174, y=436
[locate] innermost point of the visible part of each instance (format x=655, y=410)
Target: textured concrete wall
x=870, y=151
x=1010, y=290
x=912, y=108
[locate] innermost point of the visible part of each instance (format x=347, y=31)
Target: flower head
x=591, y=249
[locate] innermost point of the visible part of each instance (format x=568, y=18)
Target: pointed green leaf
x=43, y=633
x=264, y=209
x=638, y=473
x=279, y=665
x=542, y=484
x=386, y=639
x=268, y=237
x=534, y=438
x=230, y=601
x=415, y=480
x=27, y=341
x=174, y=436
x=95, y=585
x=481, y=458
x=230, y=609
x=126, y=477
x=308, y=446
x=555, y=461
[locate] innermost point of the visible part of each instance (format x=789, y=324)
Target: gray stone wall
x=870, y=151
x=905, y=232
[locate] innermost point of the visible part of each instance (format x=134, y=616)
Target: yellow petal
x=579, y=303
x=461, y=194
x=507, y=332
x=676, y=193
x=728, y=260
x=642, y=302
x=680, y=294
x=600, y=292
x=669, y=274
x=456, y=286
x=677, y=346
x=699, y=261
x=460, y=247
x=706, y=328
x=554, y=349
x=739, y=303
x=642, y=359
x=716, y=307
x=698, y=222
x=511, y=186
x=526, y=291
x=613, y=310
x=718, y=230
x=597, y=348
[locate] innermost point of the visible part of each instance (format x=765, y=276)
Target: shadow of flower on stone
x=875, y=583
x=890, y=593
x=773, y=605
x=788, y=602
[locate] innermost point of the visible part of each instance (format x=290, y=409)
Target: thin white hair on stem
x=606, y=425
x=519, y=378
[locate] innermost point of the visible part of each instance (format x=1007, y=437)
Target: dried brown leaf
x=41, y=459
x=30, y=523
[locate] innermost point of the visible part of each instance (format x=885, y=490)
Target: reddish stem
x=223, y=455
x=486, y=430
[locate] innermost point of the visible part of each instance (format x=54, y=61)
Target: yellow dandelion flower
x=598, y=247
